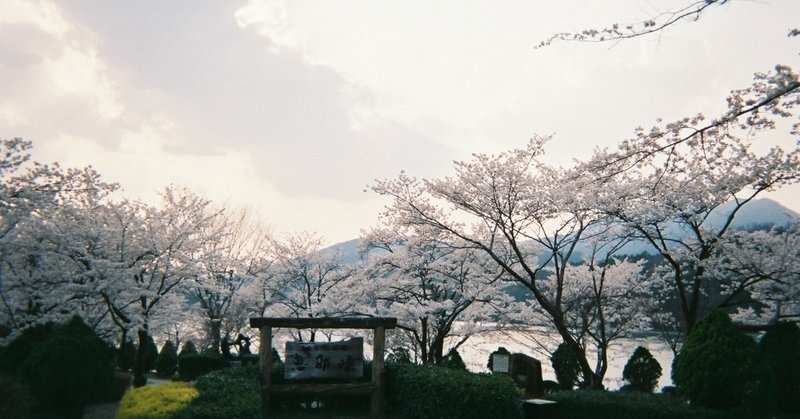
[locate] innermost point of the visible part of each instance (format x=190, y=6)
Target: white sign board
x=343, y=359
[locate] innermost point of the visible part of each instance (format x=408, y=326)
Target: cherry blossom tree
x=429, y=285
x=306, y=280
x=233, y=254
x=526, y=217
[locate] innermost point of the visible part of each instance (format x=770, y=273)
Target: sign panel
x=500, y=363
x=343, y=359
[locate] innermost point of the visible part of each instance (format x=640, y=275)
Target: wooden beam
x=323, y=389
x=378, y=346
x=325, y=322
x=264, y=367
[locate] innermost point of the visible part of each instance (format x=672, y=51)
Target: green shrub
x=566, y=366
x=167, y=362
x=399, y=355
x=151, y=353
x=780, y=348
x=188, y=348
x=163, y=401
x=598, y=404
x=453, y=361
x=13, y=355
x=228, y=393
x=126, y=356
x=420, y=391
x=16, y=401
x=719, y=367
x=190, y=367
x=70, y=369
x=642, y=371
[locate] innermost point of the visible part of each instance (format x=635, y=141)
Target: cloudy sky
x=293, y=107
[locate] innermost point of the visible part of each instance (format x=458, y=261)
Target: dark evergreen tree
x=566, y=366
x=780, y=347
x=642, y=371
x=719, y=367
x=454, y=361
x=167, y=362
x=69, y=370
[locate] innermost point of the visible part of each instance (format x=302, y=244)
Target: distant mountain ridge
x=758, y=213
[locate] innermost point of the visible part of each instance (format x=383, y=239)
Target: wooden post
x=265, y=366
x=377, y=372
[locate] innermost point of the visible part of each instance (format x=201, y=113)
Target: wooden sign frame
x=375, y=388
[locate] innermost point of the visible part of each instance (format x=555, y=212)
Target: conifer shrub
x=151, y=354
x=454, y=361
x=69, y=370
x=188, y=348
x=164, y=401
x=126, y=355
x=719, y=367
x=566, y=366
x=167, y=362
x=642, y=371
x=780, y=348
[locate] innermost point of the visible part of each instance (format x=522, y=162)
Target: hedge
x=232, y=393
x=191, y=367
x=598, y=404
x=156, y=402
x=430, y=392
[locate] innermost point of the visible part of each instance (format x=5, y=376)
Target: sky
x=293, y=108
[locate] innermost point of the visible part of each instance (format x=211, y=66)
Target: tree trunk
x=139, y=367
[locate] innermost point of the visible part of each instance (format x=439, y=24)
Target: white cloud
x=81, y=72
x=42, y=14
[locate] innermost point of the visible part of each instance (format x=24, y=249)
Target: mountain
x=759, y=213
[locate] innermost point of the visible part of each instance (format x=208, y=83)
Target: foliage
x=167, y=362
x=162, y=401
x=719, y=367
x=16, y=401
x=780, y=347
x=422, y=391
x=14, y=355
x=70, y=369
x=188, y=348
x=126, y=356
x=453, y=360
x=228, y=393
x=597, y=404
x=190, y=367
x=151, y=353
x=565, y=366
x=399, y=355
x=642, y=371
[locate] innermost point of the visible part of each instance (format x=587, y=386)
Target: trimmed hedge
x=191, y=367
x=430, y=392
x=598, y=404
x=162, y=401
x=230, y=393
